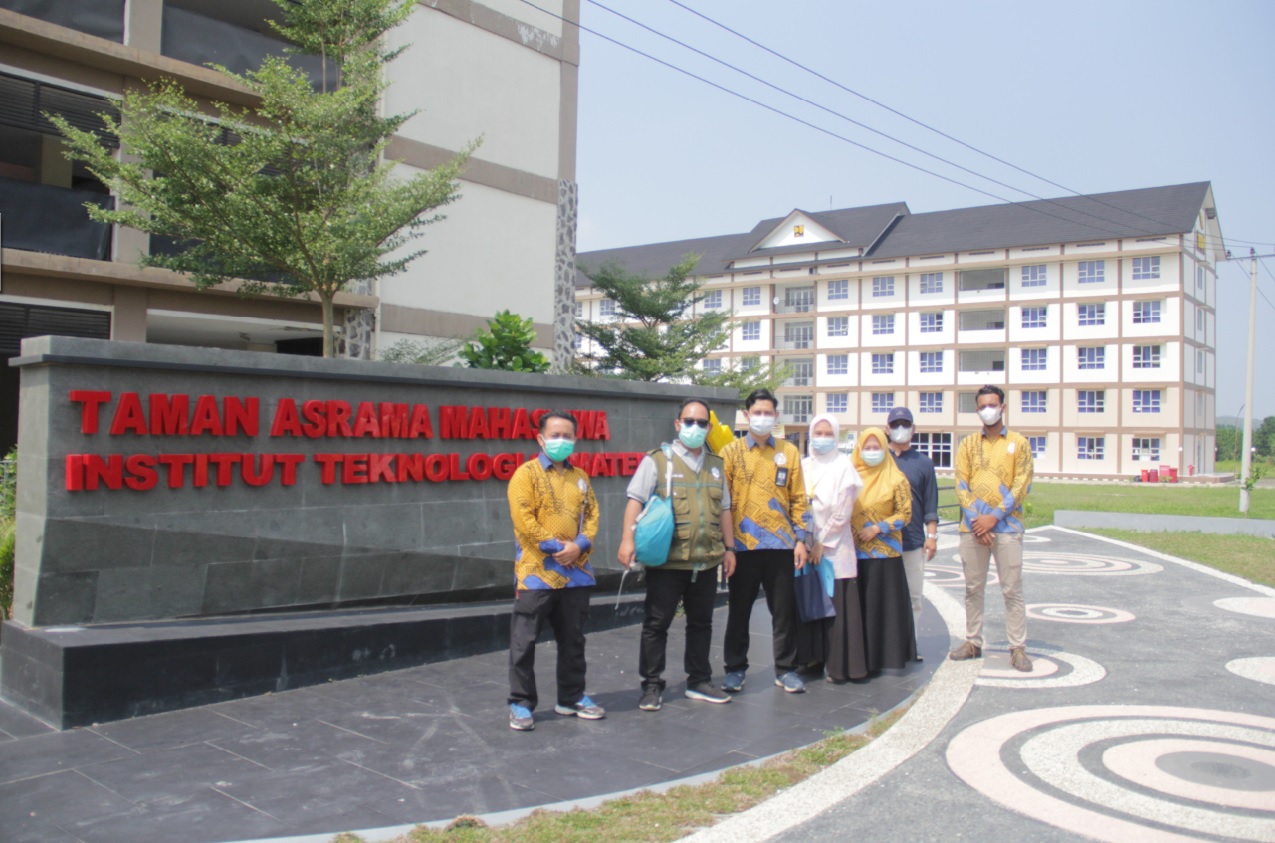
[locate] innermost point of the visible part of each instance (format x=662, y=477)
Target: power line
x=920, y=123
x=1260, y=291
x=830, y=133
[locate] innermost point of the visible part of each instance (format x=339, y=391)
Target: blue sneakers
x=585, y=709
x=734, y=681
x=791, y=683
x=520, y=718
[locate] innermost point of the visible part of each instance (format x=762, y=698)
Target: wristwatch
x=730, y=550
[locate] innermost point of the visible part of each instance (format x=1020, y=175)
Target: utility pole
x=1246, y=459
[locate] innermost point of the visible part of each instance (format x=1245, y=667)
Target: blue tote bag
x=653, y=531
x=813, y=602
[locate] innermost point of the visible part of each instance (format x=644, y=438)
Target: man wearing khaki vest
x=701, y=509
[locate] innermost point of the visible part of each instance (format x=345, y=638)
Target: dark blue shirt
x=919, y=470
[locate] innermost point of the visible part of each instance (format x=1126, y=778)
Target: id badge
x=781, y=476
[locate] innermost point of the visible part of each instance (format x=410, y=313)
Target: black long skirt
x=889, y=639
x=846, y=656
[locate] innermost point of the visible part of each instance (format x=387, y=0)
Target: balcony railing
x=202, y=40
x=44, y=218
x=103, y=18
x=800, y=307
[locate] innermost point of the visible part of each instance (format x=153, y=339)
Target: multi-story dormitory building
x=491, y=68
x=1096, y=314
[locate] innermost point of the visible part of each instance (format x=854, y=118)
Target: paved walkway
x=1150, y=715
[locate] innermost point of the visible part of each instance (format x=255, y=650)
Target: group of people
x=763, y=515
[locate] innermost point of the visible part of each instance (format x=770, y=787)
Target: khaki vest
x=697, y=511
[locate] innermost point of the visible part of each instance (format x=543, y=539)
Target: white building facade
x=1096, y=315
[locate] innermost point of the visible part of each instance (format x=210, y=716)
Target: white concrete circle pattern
x=1050, y=669
x=949, y=575
x=1262, y=607
x=1258, y=668
x=1084, y=564
x=1077, y=613
x=1147, y=772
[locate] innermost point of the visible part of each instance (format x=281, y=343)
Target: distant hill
x=1229, y=421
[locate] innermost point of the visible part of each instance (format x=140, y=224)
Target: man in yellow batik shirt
x=993, y=478
x=555, y=517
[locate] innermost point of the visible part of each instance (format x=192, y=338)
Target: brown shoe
x=1018, y=658
x=968, y=650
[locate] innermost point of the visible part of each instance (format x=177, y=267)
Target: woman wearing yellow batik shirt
x=881, y=511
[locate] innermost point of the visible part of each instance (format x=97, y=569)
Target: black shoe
x=652, y=700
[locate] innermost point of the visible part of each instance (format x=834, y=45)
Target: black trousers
x=664, y=590
x=772, y=570
x=566, y=610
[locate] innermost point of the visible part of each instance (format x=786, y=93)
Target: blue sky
x=1095, y=96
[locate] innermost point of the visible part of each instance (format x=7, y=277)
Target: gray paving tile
x=171, y=775
x=309, y=746
x=478, y=794
x=203, y=817
x=49, y=753
x=311, y=801
x=18, y=724
x=171, y=729
x=280, y=710
x=32, y=809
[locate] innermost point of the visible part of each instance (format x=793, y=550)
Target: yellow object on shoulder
x=719, y=435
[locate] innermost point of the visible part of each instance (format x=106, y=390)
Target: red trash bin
x=1153, y=476
x=1173, y=474
x=1146, y=475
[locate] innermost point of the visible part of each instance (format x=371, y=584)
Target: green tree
x=298, y=201
x=1264, y=437
x=1228, y=442
x=506, y=344
x=658, y=337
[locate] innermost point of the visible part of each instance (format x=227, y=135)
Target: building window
x=971, y=280
x=1034, y=276
x=931, y=361
x=1035, y=317
x=749, y=364
x=1146, y=312
x=838, y=290
x=883, y=324
x=838, y=364
x=1146, y=400
x=1092, y=314
x=798, y=408
x=1090, y=447
x=838, y=402
x=752, y=296
x=932, y=323
x=1146, y=357
x=1037, y=444
x=1091, y=400
x=713, y=366
x=931, y=402
x=1199, y=321
x=713, y=300
x=883, y=364
x=606, y=307
x=1035, y=359
x=967, y=402
x=1034, y=401
x=579, y=310
x=1146, y=269
x=838, y=326
x=751, y=331
x=1199, y=361
x=579, y=341
x=882, y=402
x=1093, y=272
x=931, y=283
x=1199, y=281
x=883, y=286
x=1146, y=449
x=1094, y=357
x=936, y=446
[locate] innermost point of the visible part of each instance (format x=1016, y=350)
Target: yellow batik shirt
x=993, y=477
x=549, y=508
x=768, y=515
x=890, y=516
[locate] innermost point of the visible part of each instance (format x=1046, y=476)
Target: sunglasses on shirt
x=700, y=422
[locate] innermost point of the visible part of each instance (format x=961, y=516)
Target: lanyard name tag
x=781, y=476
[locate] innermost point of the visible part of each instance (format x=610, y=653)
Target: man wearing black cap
x=920, y=536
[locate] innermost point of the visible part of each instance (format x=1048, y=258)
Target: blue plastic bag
x=653, y=532
x=813, y=603
x=829, y=575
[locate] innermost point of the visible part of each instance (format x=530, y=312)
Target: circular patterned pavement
x=1127, y=772
x=1263, y=607
x=1084, y=564
x=1077, y=613
x=1050, y=669
x=1259, y=669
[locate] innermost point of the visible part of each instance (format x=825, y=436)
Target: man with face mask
x=702, y=540
x=772, y=529
x=993, y=479
x=920, y=536
x=555, y=517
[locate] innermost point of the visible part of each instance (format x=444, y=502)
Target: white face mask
x=899, y=435
x=823, y=444
x=873, y=457
x=761, y=425
x=990, y=415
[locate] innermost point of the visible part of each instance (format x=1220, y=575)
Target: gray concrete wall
x=1164, y=523
x=94, y=556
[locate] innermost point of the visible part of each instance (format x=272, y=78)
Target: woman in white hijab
x=833, y=484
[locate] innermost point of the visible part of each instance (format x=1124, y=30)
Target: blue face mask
x=692, y=435
x=873, y=457
x=559, y=449
x=823, y=444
